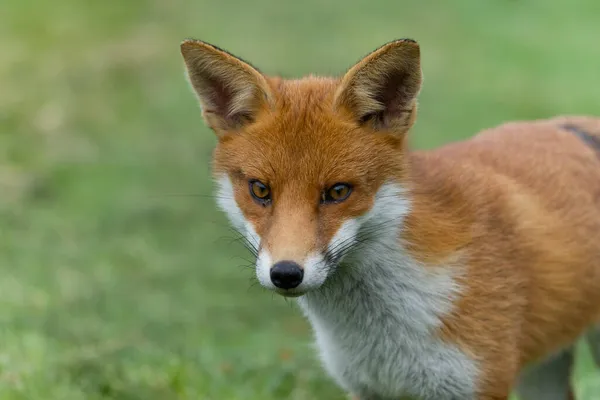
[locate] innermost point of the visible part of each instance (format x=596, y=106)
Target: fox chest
x=388, y=365
x=382, y=351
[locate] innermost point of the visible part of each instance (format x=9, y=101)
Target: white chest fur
x=374, y=324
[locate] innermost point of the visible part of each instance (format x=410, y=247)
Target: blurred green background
x=118, y=277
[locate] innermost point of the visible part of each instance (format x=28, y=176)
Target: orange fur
x=520, y=202
x=534, y=273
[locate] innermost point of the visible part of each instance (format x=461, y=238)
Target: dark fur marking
x=590, y=140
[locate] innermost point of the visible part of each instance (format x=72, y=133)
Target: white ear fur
x=230, y=90
x=382, y=88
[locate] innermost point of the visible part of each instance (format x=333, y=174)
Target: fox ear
x=381, y=89
x=230, y=91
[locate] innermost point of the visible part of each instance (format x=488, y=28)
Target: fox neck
x=381, y=285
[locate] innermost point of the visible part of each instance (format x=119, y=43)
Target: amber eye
x=336, y=193
x=260, y=191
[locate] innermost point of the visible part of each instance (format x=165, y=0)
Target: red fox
x=458, y=273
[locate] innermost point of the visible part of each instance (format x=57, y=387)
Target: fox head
x=308, y=170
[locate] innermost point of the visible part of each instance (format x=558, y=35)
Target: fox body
x=457, y=273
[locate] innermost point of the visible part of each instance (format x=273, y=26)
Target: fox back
x=435, y=275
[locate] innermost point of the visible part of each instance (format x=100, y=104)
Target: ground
x=116, y=277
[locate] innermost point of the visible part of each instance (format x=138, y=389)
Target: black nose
x=286, y=274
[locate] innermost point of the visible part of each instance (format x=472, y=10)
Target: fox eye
x=336, y=193
x=260, y=191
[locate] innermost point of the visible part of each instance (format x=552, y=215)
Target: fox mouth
x=291, y=293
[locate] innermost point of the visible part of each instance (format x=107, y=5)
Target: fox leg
x=550, y=379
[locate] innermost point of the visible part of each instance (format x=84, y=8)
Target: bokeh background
x=118, y=277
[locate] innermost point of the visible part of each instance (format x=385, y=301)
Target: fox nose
x=286, y=274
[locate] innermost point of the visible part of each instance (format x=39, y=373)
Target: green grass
x=117, y=277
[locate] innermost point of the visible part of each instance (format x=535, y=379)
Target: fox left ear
x=231, y=91
x=381, y=89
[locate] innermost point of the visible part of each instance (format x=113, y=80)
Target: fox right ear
x=381, y=89
x=230, y=91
